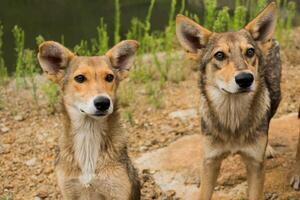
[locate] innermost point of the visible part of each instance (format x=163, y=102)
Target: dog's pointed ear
x=122, y=55
x=191, y=35
x=54, y=59
x=262, y=28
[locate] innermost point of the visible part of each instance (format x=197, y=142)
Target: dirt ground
x=29, y=135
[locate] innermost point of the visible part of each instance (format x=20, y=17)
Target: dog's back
x=273, y=77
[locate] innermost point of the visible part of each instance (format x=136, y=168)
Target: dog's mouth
x=96, y=114
x=240, y=91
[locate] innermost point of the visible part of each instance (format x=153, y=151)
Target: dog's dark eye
x=220, y=55
x=80, y=78
x=250, y=52
x=109, y=77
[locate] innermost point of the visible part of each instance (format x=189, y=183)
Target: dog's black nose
x=244, y=80
x=102, y=103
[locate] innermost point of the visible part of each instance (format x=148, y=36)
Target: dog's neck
x=233, y=111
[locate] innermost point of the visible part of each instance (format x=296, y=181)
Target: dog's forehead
x=93, y=62
x=231, y=39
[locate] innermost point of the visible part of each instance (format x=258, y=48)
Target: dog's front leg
x=209, y=174
x=255, y=176
x=295, y=181
x=254, y=157
x=211, y=162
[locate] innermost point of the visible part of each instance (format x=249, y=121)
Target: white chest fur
x=87, y=146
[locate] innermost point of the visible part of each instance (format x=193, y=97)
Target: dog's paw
x=270, y=152
x=295, y=181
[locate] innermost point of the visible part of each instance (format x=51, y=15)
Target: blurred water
x=77, y=19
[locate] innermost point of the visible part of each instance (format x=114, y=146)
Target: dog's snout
x=102, y=103
x=244, y=80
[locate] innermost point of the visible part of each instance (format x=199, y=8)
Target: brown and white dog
x=93, y=163
x=240, y=92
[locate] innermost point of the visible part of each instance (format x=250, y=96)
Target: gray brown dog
x=240, y=92
x=93, y=163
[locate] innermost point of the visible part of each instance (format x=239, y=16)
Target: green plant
x=210, y=13
x=19, y=36
x=239, y=18
x=100, y=46
x=128, y=115
x=3, y=69
x=51, y=91
x=39, y=40
x=126, y=94
x=117, y=21
x=7, y=196
x=170, y=29
x=222, y=21
x=29, y=59
x=82, y=48
x=154, y=93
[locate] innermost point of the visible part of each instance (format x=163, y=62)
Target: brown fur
x=113, y=177
x=233, y=121
x=295, y=181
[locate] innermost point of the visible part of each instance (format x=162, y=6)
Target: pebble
x=4, y=129
x=18, y=118
x=31, y=162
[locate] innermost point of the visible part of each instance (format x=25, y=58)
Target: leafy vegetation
x=158, y=60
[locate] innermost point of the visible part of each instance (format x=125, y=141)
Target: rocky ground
x=29, y=137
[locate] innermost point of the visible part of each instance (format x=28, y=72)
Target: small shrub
x=100, y=45
x=39, y=40
x=51, y=91
x=82, y=48
x=30, y=63
x=222, y=21
x=154, y=93
x=117, y=21
x=210, y=13
x=3, y=69
x=19, y=36
x=126, y=94
x=239, y=18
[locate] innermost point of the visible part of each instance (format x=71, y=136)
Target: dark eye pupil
x=80, y=78
x=220, y=55
x=109, y=78
x=250, y=52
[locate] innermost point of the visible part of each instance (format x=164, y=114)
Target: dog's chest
x=87, y=147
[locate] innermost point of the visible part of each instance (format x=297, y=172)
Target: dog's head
x=231, y=61
x=89, y=84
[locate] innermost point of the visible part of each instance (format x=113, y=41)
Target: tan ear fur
x=262, y=27
x=54, y=59
x=191, y=35
x=122, y=56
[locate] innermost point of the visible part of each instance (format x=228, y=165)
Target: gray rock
x=184, y=114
